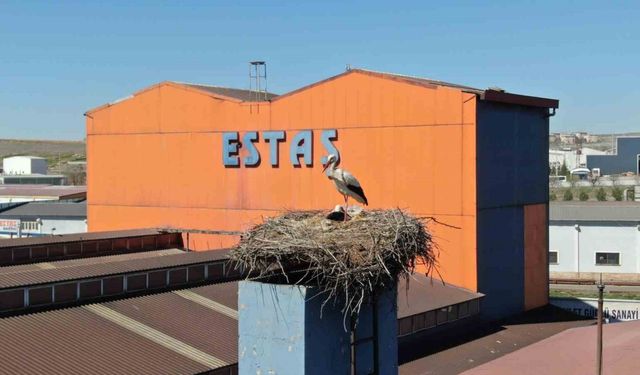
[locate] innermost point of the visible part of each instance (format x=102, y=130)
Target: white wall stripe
x=208, y=303
x=156, y=336
x=45, y=266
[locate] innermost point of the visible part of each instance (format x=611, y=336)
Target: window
x=29, y=225
x=608, y=259
x=404, y=326
x=553, y=257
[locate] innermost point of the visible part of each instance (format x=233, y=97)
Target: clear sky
x=61, y=58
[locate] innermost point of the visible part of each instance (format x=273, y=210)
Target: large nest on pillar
x=347, y=262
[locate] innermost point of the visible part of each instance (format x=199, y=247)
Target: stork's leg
x=346, y=200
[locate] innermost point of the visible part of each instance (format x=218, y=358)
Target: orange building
x=203, y=157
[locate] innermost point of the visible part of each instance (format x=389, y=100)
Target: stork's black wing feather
x=358, y=190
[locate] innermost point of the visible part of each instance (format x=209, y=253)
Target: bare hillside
x=56, y=152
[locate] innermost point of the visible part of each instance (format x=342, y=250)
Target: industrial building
x=139, y=302
x=589, y=238
x=28, y=170
x=625, y=159
x=24, y=165
x=33, y=219
x=212, y=158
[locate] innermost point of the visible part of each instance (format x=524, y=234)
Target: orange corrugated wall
x=536, y=264
x=155, y=160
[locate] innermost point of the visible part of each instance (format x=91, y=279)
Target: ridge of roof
x=421, y=80
x=244, y=95
x=230, y=92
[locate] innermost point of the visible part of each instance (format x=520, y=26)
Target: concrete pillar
x=281, y=332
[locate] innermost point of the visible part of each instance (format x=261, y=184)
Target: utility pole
x=600, y=316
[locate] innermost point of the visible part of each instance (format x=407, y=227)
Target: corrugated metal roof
x=244, y=95
x=155, y=334
x=77, y=341
x=422, y=80
x=571, y=352
x=422, y=294
x=595, y=211
x=86, y=261
x=102, y=267
x=41, y=190
x=66, y=238
x=47, y=209
x=124, y=336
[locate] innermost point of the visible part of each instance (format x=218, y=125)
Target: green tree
x=584, y=196
x=564, y=171
x=601, y=195
x=568, y=195
x=617, y=193
x=553, y=197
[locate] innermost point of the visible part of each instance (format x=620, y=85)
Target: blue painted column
x=281, y=332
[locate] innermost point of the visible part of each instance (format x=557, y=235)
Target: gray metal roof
x=47, y=209
x=244, y=95
x=594, y=211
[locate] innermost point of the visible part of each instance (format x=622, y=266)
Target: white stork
x=345, y=183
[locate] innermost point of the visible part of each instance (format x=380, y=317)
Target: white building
x=19, y=165
x=589, y=238
x=571, y=158
x=36, y=219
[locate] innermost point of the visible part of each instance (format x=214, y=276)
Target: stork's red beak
x=325, y=167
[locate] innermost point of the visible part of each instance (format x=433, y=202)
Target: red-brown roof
x=126, y=336
x=56, y=191
x=573, y=352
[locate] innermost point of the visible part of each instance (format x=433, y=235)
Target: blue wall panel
x=625, y=159
x=512, y=155
x=512, y=171
x=501, y=260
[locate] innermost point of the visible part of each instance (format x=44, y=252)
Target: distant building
x=21, y=170
x=626, y=158
x=572, y=158
x=30, y=193
x=24, y=165
x=33, y=179
x=35, y=219
x=568, y=139
x=589, y=238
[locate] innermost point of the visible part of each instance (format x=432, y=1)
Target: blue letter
x=273, y=138
x=301, y=145
x=230, y=149
x=326, y=137
x=254, y=157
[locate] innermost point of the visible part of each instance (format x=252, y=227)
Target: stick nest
x=347, y=262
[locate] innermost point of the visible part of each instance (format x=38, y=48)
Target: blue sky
x=60, y=58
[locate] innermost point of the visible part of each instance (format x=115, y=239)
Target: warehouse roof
x=99, y=266
x=68, y=238
x=557, y=354
x=594, y=211
x=53, y=191
x=244, y=95
x=47, y=209
x=490, y=94
x=24, y=157
x=241, y=95
x=412, y=300
x=166, y=333
x=182, y=331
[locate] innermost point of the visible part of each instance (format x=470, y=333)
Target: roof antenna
x=258, y=80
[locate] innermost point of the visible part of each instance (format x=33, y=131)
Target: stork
x=345, y=183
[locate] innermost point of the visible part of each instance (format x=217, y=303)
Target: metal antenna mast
x=258, y=80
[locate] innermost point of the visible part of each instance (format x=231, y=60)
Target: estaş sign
x=301, y=146
x=7, y=225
